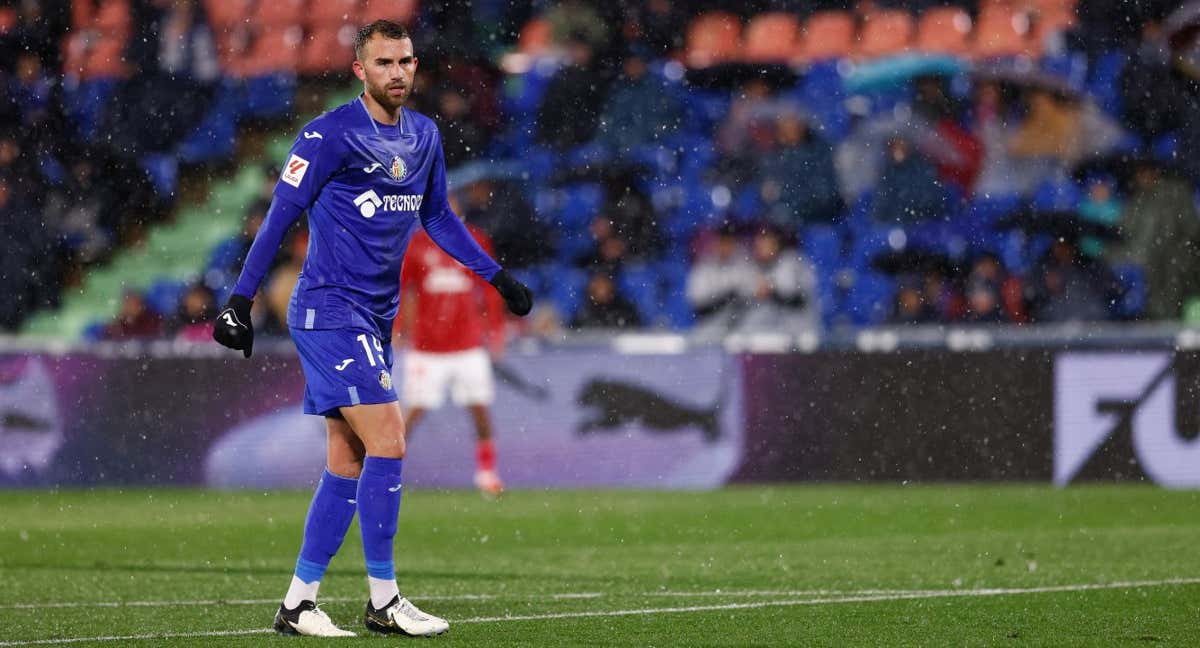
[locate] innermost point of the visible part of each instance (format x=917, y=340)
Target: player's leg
x=329, y=516
x=487, y=479
x=380, y=427
x=474, y=388
x=412, y=418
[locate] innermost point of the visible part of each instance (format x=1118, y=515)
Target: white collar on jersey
x=375, y=124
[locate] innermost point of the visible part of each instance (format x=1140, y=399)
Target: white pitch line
x=914, y=595
x=817, y=592
x=264, y=601
x=174, y=635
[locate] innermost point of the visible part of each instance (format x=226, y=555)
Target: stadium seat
x=536, y=37
x=163, y=296
x=1001, y=32
x=8, y=19
x=264, y=56
x=884, y=32
x=106, y=60
x=332, y=13
x=224, y=15
x=279, y=12
x=269, y=95
x=327, y=47
x=771, y=38
x=944, y=30
x=827, y=35
x=713, y=38
x=1050, y=21
x=401, y=11
x=113, y=19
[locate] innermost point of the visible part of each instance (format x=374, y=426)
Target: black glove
x=516, y=296
x=233, y=328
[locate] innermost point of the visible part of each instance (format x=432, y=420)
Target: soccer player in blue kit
x=367, y=172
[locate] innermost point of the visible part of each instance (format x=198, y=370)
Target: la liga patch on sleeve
x=293, y=171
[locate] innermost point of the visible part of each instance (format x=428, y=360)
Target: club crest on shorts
x=399, y=169
x=385, y=380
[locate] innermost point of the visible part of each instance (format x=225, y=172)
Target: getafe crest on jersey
x=399, y=169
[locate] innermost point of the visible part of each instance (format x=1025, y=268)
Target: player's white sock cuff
x=300, y=591
x=383, y=590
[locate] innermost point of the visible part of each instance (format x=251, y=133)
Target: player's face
x=387, y=68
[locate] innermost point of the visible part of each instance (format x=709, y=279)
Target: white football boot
x=307, y=620
x=488, y=483
x=400, y=616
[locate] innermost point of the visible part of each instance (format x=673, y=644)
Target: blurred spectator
x=783, y=292
x=912, y=306
x=604, y=307
x=174, y=68
x=1100, y=206
x=197, y=309
x=30, y=266
x=136, y=320
x=716, y=283
x=640, y=111
x=659, y=24
x=773, y=289
x=631, y=213
x=609, y=249
x=933, y=103
x=1060, y=130
x=1069, y=287
x=995, y=123
x=568, y=115
x=992, y=296
x=500, y=209
x=909, y=190
x=1161, y=229
x=796, y=178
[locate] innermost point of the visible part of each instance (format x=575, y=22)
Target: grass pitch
x=796, y=565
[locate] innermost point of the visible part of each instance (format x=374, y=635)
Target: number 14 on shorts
x=367, y=349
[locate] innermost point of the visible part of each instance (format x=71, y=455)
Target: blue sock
x=329, y=516
x=378, y=512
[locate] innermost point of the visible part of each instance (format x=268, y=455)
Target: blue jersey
x=365, y=185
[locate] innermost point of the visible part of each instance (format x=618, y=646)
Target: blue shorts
x=343, y=367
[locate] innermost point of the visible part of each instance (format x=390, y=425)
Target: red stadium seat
x=327, y=48
x=885, y=32
x=536, y=37
x=82, y=12
x=272, y=51
x=771, y=37
x=828, y=34
x=279, y=12
x=401, y=11
x=332, y=13
x=1001, y=31
x=106, y=59
x=8, y=19
x=1051, y=20
x=113, y=19
x=713, y=38
x=944, y=30
x=226, y=14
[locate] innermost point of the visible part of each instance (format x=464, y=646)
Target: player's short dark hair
x=385, y=28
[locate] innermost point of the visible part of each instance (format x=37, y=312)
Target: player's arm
x=493, y=306
x=445, y=228
x=309, y=165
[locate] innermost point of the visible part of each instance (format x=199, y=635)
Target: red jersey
x=454, y=306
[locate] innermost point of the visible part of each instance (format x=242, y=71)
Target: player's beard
x=381, y=95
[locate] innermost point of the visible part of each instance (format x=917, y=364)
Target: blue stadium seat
x=568, y=290
x=85, y=104
x=1132, y=302
x=269, y=96
x=163, y=296
x=163, y=169
x=225, y=254
x=640, y=283
x=869, y=302
x=1104, y=83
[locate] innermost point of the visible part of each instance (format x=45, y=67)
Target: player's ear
x=358, y=70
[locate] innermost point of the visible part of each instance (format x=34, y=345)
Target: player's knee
x=348, y=468
x=387, y=443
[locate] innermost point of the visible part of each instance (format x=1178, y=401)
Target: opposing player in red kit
x=449, y=316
